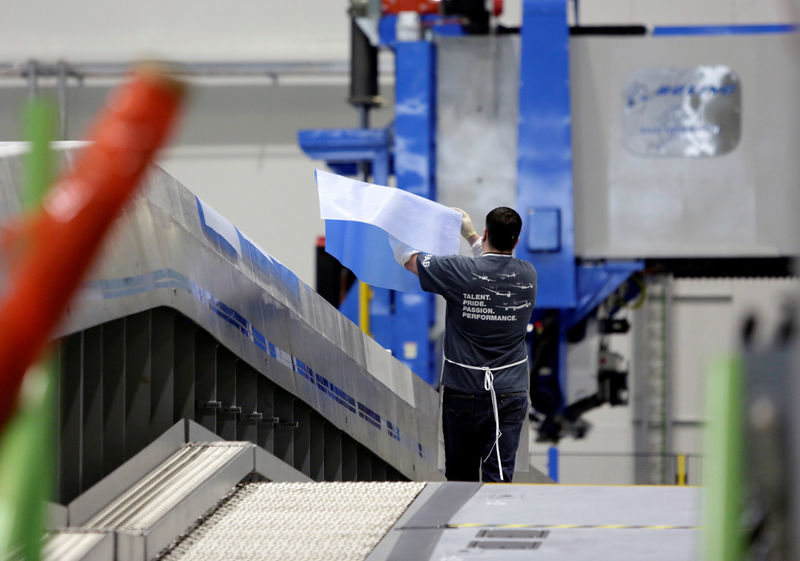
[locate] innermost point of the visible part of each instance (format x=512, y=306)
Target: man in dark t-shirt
x=489, y=298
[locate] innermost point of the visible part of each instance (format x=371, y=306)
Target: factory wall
x=237, y=147
x=704, y=324
x=278, y=29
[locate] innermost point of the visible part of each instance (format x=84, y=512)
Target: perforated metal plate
x=292, y=521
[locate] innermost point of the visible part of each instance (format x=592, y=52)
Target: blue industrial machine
x=484, y=116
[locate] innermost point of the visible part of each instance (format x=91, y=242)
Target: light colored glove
x=477, y=248
x=402, y=252
x=467, y=229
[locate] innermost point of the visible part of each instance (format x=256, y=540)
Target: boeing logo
x=639, y=93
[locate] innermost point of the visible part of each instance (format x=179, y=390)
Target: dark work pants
x=468, y=426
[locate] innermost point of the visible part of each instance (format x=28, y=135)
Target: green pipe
x=27, y=446
x=723, y=497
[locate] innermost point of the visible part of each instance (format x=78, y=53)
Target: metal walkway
x=299, y=521
x=185, y=500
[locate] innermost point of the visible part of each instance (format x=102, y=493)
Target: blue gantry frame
x=401, y=322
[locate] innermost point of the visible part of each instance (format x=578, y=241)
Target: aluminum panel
x=476, y=137
x=627, y=205
x=581, y=522
x=78, y=545
x=106, y=490
x=742, y=203
x=161, y=254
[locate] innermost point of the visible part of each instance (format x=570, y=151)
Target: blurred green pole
x=724, y=467
x=39, y=118
x=27, y=448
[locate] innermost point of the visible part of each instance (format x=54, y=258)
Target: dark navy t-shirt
x=489, y=303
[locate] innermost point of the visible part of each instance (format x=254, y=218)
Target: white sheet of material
x=414, y=220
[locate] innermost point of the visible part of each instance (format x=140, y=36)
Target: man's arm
x=469, y=233
x=411, y=264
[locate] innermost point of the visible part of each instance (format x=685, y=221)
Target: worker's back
x=489, y=303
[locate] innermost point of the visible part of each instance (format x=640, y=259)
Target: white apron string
x=488, y=385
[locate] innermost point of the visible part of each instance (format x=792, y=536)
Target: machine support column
x=544, y=184
x=415, y=126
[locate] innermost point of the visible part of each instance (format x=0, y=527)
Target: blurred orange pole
x=59, y=241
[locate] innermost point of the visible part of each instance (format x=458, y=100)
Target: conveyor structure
x=184, y=317
x=213, y=406
x=182, y=499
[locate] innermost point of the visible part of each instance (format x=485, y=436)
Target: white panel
x=702, y=332
x=742, y=203
x=708, y=317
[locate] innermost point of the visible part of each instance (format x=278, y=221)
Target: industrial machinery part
x=597, y=375
x=467, y=519
x=160, y=491
x=363, y=68
x=168, y=325
x=496, y=119
x=73, y=545
x=62, y=236
x=286, y=521
x=770, y=515
x=200, y=380
x=182, y=508
x=420, y=6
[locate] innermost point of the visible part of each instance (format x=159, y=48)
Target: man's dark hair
x=503, y=225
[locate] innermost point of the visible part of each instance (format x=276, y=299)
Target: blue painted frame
x=544, y=165
x=401, y=322
x=746, y=29
x=415, y=169
x=544, y=182
x=342, y=149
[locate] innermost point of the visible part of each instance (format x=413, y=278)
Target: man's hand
x=402, y=252
x=467, y=229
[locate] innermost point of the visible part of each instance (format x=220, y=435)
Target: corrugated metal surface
x=163, y=488
x=294, y=521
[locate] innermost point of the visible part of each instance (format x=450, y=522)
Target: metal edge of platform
x=417, y=531
x=57, y=515
x=274, y=469
x=202, y=498
x=89, y=503
x=533, y=475
x=198, y=433
x=81, y=510
x=267, y=465
x=101, y=550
